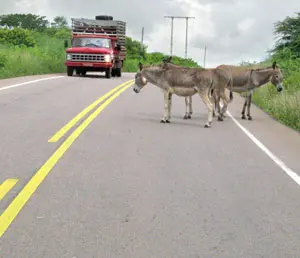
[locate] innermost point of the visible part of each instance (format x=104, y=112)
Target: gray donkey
x=186, y=94
x=181, y=81
x=247, y=80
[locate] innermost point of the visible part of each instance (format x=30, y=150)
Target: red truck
x=97, y=45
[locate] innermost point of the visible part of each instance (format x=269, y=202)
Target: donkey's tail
x=211, y=90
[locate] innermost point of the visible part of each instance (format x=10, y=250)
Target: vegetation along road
x=86, y=174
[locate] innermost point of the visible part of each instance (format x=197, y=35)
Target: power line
x=186, y=33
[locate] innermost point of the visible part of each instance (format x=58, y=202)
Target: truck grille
x=87, y=58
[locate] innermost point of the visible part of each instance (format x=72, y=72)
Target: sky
x=233, y=30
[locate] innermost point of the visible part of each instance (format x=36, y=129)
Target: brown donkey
x=247, y=80
x=184, y=81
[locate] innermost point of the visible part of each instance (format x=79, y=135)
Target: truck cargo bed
x=108, y=27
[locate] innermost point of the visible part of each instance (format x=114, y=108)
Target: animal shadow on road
x=175, y=120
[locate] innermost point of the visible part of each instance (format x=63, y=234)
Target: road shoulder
x=283, y=141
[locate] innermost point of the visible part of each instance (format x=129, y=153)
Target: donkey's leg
x=217, y=99
x=244, y=107
x=204, y=96
x=190, y=107
x=219, y=108
x=168, y=120
x=163, y=120
x=225, y=104
x=214, y=98
x=248, y=105
x=186, y=108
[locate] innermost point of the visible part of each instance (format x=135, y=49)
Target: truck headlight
x=69, y=56
x=107, y=58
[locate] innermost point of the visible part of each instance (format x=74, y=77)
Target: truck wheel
x=119, y=72
x=70, y=71
x=83, y=73
x=108, y=73
x=77, y=72
x=113, y=72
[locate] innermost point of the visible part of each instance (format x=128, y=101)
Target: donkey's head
x=140, y=81
x=149, y=73
x=277, y=77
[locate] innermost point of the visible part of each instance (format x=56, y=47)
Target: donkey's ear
x=167, y=60
x=140, y=66
x=274, y=65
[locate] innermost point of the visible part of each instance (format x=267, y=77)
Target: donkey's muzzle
x=279, y=87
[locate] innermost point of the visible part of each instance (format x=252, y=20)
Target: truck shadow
x=91, y=76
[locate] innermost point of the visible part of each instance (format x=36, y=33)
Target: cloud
x=232, y=30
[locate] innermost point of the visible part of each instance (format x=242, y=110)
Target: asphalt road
x=128, y=186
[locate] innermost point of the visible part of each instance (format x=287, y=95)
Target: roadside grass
x=283, y=106
x=47, y=57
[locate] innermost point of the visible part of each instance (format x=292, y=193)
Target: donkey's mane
x=261, y=68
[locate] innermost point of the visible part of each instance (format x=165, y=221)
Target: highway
x=115, y=182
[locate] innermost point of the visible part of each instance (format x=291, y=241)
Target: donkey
x=247, y=80
x=188, y=99
x=187, y=94
x=183, y=81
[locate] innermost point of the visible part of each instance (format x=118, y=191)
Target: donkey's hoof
x=243, y=117
x=220, y=118
x=250, y=118
x=207, y=125
x=185, y=117
x=162, y=121
x=168, y=121
x=189, y=116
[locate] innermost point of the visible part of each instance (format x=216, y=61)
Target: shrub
x=3, y=60
x=17, y=37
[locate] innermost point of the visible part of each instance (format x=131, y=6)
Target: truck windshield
x=91, y=42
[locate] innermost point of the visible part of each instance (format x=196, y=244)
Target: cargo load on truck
x=97, y=45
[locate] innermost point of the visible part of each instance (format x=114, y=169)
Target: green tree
x=134, y=48
x=60, y=22
x=288, y=35
x=24, y=21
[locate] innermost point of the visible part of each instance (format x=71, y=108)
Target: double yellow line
x=77, y=118
x=20, y=200
x=6, y=186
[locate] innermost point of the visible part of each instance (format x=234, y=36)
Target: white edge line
x=29, y=82
x=279, y=162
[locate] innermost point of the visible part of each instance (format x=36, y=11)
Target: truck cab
x=96, y=45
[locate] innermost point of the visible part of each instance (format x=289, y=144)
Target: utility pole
x=172, y=21
x=204, y=57
x=186, y=34
x=142, y=42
